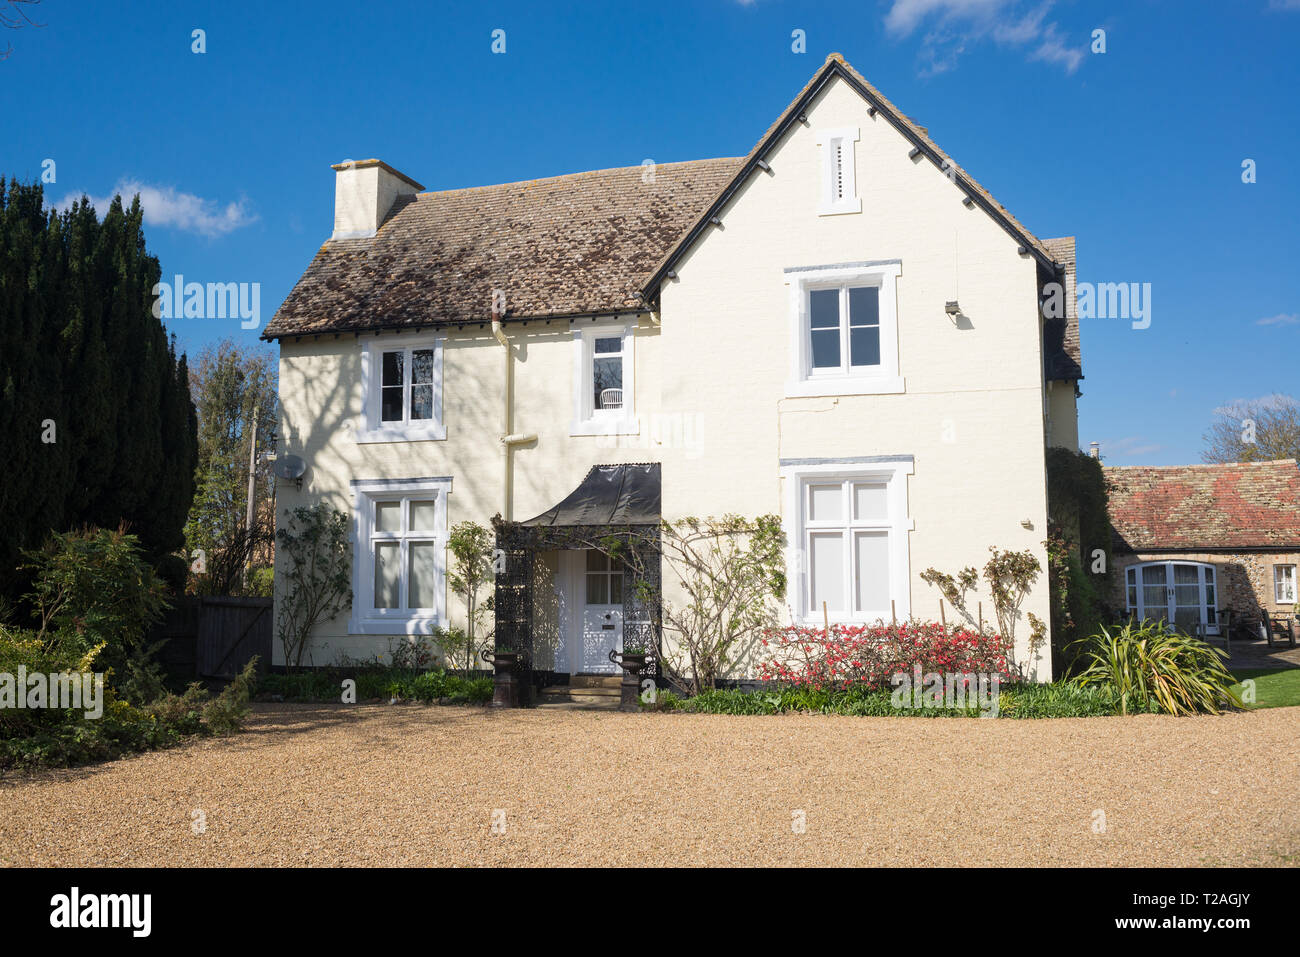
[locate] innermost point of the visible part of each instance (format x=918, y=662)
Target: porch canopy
x=609, y=495
x=615, y=509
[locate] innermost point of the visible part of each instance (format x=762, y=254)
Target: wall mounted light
x=951, y=308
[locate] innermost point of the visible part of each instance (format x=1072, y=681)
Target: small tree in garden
x=731, y=569
x=1009, y=576
x=317, y=575
x=471, y=546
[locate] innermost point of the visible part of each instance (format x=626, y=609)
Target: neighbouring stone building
x=1193, y=540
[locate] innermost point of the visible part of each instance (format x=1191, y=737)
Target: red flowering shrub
x=866, y=656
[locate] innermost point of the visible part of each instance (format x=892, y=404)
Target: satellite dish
x=289, y=467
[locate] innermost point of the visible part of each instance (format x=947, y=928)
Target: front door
x=602, y=614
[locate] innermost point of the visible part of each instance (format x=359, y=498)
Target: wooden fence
x=215, y=637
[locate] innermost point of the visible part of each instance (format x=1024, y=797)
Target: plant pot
x=633, y=665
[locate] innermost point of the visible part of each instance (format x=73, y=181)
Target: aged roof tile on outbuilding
x=1239, y=506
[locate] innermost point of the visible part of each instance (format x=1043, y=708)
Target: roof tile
x=567, y=245
x=1238, y=505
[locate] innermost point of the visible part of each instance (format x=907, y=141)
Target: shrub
x=729, y=570
x=226, y=712
x=53, y=737
x=869, y=655
x=21, y=648
x=182, y=712
x=1150, y=666
x=92, y=588
x=1057, y=700
x=403, y=684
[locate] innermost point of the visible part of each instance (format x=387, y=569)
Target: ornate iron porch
x=616, y=510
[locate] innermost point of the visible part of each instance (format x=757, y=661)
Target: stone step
x=595, y=681
x=563, y=696
x=568, y=691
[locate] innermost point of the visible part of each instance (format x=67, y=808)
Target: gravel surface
x=413, y=785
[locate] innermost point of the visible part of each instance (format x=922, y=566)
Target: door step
x=595, y=681
x=594, y=696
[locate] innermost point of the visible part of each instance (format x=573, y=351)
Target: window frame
x=365, y=618
x=371, y=427
x=588, y=420
x=1277, y=580
x=849, y=379
x=797, y=478
x=839, y=187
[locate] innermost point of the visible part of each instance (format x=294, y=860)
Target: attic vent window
x=839, y=186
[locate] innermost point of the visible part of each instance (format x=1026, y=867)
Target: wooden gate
x=230, y=632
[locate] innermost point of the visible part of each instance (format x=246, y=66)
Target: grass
x=1274, y=687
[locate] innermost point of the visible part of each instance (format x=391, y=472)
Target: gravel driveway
x=412, y=785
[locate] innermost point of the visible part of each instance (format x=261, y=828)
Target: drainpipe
x=508, y=438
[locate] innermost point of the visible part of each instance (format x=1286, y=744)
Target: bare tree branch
x=15, y=19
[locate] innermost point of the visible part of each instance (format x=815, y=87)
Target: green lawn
x=1274, y=688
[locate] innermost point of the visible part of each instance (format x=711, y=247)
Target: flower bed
x=868, y=656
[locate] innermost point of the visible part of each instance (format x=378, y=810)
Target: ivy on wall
x=1078, y=549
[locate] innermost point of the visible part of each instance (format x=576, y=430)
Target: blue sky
x=1137, y=151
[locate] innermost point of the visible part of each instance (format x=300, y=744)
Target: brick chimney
x=364, y=194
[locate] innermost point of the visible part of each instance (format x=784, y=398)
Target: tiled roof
x=1240, y=505
x=1061, y=336
x=566, y=245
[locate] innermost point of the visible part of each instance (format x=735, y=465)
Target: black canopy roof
x=609, y=495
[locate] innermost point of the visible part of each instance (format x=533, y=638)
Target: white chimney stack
x=364, y=193
x=1094, y=449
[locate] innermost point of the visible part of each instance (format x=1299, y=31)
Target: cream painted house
x=842, y=327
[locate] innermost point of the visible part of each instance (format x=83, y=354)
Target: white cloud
x=906, y=15
x=1282, y=318
x=954, y=25
x=1284, y=4
x=169, y=207
x=1052, y=49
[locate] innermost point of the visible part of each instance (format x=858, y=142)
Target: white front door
x=601, y=621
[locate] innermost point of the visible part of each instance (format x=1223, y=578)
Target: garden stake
x=942, y=620
x=826, y=617
x=981, y=608
x=893, y=615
